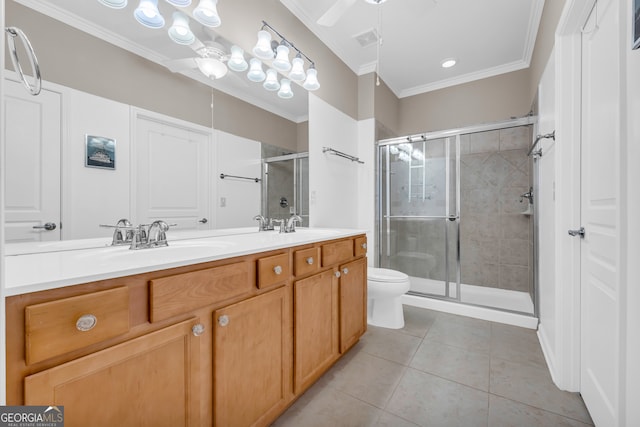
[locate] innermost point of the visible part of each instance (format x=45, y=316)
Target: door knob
x=203, y=221
x=49, y=226
x=580, y=232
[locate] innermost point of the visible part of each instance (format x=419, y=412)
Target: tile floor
x=440, y=370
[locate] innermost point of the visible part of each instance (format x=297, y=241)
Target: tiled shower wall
x=495, y=236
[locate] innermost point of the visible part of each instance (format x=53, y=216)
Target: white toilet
x=384, y=294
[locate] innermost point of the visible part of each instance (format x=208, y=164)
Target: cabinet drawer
x=306, y=261
x=181, y=293
x=334, y=253
x=273, y=270
x=361, y=246
x=58, y=327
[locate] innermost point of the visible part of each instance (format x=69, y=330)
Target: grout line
x=540, y=409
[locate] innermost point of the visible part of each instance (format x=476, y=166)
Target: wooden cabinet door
x=316, y=327
x=252, y=360
x=150, y=381
x=353, y=302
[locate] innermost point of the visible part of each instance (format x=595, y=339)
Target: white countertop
x=50, y=266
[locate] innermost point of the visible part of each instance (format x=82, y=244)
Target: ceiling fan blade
x=335, y=12
x=178, y=65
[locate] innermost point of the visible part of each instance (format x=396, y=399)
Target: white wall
x=632, y=407
x=367, y=184
x=92, y=196
x=237, y=200
x=545, y=209
x=333, y=181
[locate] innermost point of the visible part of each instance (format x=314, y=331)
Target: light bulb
x=211, y=67
x=256, y=74
x=271, y=83
x=281, y=63
x=262, y=48
x=311, y=83
x=206, y=13
x=285, y=91
x=148, y=15
x=114, y=4
x=179, y=31
x=237, y=61
x=297, y=73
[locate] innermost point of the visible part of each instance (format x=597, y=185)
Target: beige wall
x=482, y=101
x=544, y=42
x=366, y=96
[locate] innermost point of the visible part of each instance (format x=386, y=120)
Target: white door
x=32, y=164
x=238, y=198
x=600, y=247
x=173, y=179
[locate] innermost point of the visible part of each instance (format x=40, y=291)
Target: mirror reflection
x=168, y=137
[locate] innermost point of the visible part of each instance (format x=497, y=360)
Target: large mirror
x=110, y=83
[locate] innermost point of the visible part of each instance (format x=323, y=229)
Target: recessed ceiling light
x=448, y=63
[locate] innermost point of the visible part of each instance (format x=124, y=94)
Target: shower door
x=419, y=221
x=285, y=189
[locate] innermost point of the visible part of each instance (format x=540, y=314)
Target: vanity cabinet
x=151, y=380
x=316, y=327
x=353, y=302
x=252, y=360
x=231, y=342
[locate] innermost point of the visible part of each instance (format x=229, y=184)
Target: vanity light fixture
x=448, y=63
x=179, y=31
x=285, y=91
x=276, y=56
x=206, y=13
x=114, y=4
x=147, y=14
x=236, y=61
x=256, y=73
x=271, y=83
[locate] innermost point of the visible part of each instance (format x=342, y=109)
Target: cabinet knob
x=337, y=274
x=223, y=320
x=310, y=260
x=277, y=269
x=345, y=270
x=197, y=329
x=364, y=245
x=86, y=322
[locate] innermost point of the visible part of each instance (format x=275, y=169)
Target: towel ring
x=34, y=89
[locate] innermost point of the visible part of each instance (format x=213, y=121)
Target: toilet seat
x=386, y=275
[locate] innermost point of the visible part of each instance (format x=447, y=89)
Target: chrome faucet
x=118, y=238
x=157, y=234
x=264, y=224
x=291, y=223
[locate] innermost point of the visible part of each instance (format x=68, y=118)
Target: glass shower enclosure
x=451, y=214
x=285, y=187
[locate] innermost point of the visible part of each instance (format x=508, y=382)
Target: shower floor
x=503, y=299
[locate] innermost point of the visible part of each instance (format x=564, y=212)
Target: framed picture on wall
x=100, y=152
x=636, y=24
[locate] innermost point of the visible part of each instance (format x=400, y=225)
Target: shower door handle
x=453, y=218
x=580, y=232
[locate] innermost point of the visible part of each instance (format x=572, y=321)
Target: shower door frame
x=380, y=214
x=297, y=190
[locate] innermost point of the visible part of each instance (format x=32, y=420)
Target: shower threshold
x=502, y=299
